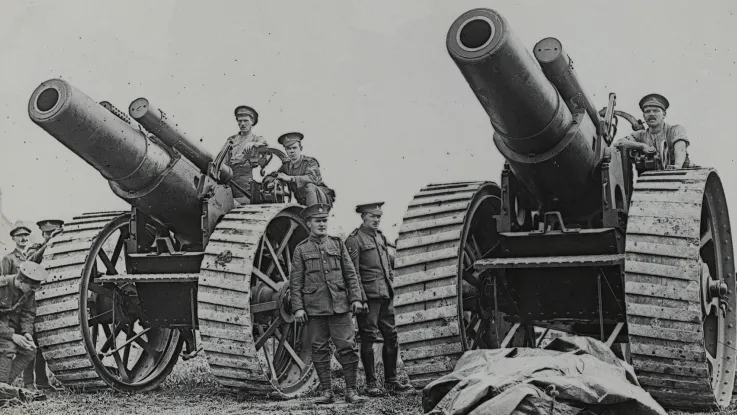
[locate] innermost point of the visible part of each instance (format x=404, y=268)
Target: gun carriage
x=569, y=240
x=128, y=289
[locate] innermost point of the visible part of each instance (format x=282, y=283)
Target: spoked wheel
x=434, y=318
x=249, y=334
x=484, y=327
x=91, y=331
x=680, y=289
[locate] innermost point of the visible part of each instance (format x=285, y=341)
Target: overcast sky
x=370, y=84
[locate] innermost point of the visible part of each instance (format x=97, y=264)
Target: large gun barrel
x=138, y=170
x=548, y=143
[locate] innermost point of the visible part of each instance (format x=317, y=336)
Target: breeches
x=378, y=324
x=339, y=329
x=312, y=194
x=13, y=360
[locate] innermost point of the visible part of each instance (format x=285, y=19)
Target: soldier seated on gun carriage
x=242, y=155
x=668, y=141
x=301, y=173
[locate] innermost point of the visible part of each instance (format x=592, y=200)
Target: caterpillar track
x=229, y=286
x=426, y=276
x=677, y=221
x=59, y=323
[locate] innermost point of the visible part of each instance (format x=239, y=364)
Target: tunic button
x=326, y=271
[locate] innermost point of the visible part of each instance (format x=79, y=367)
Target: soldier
x=653, y=108
x=325, y=291
x=17, y=314
x=11, y=262
x=302, y=173
x=241, y=157
x=369, y=251
x=49, y=228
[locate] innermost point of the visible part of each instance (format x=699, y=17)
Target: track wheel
x=249, y=334
x=680, y=289
x=92, y=333
x=445, y=229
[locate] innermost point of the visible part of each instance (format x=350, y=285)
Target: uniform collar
x=367, y=230
x=318, y=239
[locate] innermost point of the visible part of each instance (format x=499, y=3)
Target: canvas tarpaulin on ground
x=570, y=376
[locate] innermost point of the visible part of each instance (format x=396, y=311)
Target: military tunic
x=669, y=133
x=17, y=315
x=369, y=252
x=242, y=162
x=11, y=262
x=323, y=283
x=307, y=187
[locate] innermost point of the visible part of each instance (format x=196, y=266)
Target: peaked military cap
x=318, y=210
x=50, y=225
x=246, y=110
x=20, y=229
x=374, y=208
x=33, y=271
x=654, y=100
x=290, y=138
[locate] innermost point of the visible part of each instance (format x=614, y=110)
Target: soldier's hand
x=23, y=342
x=356, y=307
x=300, y=316
x=282, y=176
x=259, y=144
x=365, y=308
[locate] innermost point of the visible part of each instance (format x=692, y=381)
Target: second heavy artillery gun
x=128, y=289
x=569, y=240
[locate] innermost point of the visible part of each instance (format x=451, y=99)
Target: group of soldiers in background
x=331, y=280
x=21, y=274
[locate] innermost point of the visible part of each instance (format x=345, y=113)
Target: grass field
x=191, y=389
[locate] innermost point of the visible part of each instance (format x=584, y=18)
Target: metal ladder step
x=551, y=261
x=149, y=278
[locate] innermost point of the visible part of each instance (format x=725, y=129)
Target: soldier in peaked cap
x=17, y=315
x=37, y=367
x=325, y=291
x=654, y=108
x=11, y=262
x=302, y=173
x=369, y=251
x=242, y=156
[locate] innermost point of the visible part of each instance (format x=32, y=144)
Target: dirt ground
x=191, y=389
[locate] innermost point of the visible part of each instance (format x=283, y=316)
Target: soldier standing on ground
x=241, y=157
x=49, y=228
x=653, y=108
x=17, y=314
x=325, y=291
x=369, y=251
x=302, y=173
x=11, y=262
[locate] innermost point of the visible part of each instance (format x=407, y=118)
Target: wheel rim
x=143, y=360
x=480, y=326
x=282, y=344
x=717, y=287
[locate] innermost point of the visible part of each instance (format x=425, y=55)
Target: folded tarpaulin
x=570, y=376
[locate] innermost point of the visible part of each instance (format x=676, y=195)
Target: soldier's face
x=21, y=240
x=318, y=226
x=654, y=116
x=372, y=220
x=294, y=150
x=245, y=122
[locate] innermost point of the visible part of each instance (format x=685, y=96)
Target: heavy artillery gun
x=569, y=240
x=128, y=289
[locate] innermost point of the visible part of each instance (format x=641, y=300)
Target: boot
x=369, y=367
x=351, y=396
x=27, y=395
x=391, y=384
x=326, y=383
x=350, y=373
